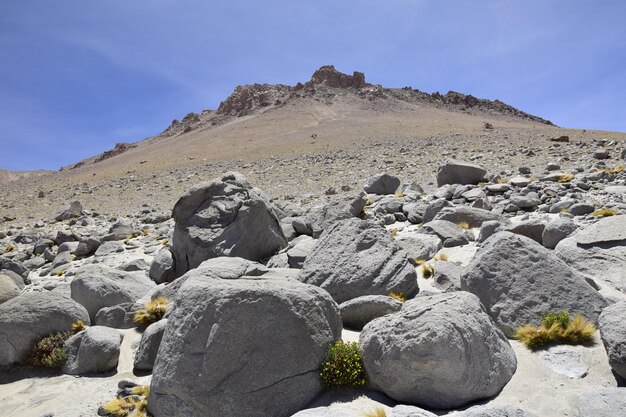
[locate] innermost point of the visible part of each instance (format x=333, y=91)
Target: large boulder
x=519, y=281
x=354, y=258
x=31, y=316
x=149, y=346
x=119, y=316
x=162, y=267
x=94, y=350
x=321, y=217
x=598, y=251
x=98, y=287
x=66, y=212
x=450, y=234
x=557, y=230
x=419, y=245
x=382, y=184
x=474, y=217
x=612, y=325
x=359, y=311
x=459, y=172
x=8, y=288
x=602, y=402
x=232, y=347
x=225, y=217
x=491, y=411
x=441, y=351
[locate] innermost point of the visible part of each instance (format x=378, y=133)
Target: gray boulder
x=162, y=267
x=441, y=351
x=359, y=311
x=529, y=228
x=87, y=247
x=447, y=276
x=74, y=209
x=321, y=217
x=474, y=217
x=492, y=411
x=450, y=234
x=557, y=230
x=149, y=346
x=31, y=316
x=612, y=326
x=8, y=288
x=120, y=316
x=419, y=245
x=225, y=217
x=525, y=201
x=382, y=184
x=602, y=402
x=232, y=347
x=94, y=350
x=519, y=281
x=459, y=172
x=598, y=252
x=354, y=258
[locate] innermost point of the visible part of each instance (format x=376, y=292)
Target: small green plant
x=556, y=328
x=153, y=311
x=78, y=326
x=565, y=178
x=605, y=212
x=343, y=366
x=377, y=411
x=400, y=296
x=427, y=270
x=49, y=352
x=134, y=405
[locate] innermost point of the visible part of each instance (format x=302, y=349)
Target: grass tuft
x=394, y=233
x=135, y=405
x=9, y=248
x=427, y=270
x=377, y=411
x=400, y=296
x=556, y=328
x=565, y=178
x=343, y=366
x=605, y=212
x=153, y=311
x=441, y=257
x=78, y=326
x=463, y=225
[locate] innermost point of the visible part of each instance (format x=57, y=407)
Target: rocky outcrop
x=94, y=350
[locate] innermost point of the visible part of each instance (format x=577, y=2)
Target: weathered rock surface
x=557, y=230
x=94, y=350
x=459, y=172
x=419, y=245
x=603, y=402
x=359, y=311
x=149, y=345
x=162, y=267
x=442, y=351
x=474, y=217
x=225, y=217
x=382, y=184
x=354, y=258
x=235, y=346
x=612, y=326
x=8, y=288
x=519, y=281
x=31, y=316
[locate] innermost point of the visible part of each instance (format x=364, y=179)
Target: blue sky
x=78, y=76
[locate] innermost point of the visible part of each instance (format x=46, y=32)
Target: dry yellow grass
x=400, y=296
x=129, y=406
x=605, y=212
x=463, y=225
x=427, y=270
x=565, y=178
x=153, y=311
x=78, y=326
x=576, y=331
x=441, y=257
x=377, y=411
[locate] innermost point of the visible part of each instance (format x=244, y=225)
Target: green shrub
x=49, y=352
x=343, y=366
x=556, y=328
x=153, y=311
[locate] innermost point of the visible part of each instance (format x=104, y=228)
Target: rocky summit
x=332, y=248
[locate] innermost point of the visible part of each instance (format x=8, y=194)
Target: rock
x=135, y=265
x=489, y=228
x=94, y=350
x=598, y=247
x=35, y=263
x=14, y=266
x=552, y=166
x=321, y=217
x=30, y=316
x=149, y=346
x=441, y=351
x=434, y=208
x=519, y=181
x=298, y=253
x=447, y=276
x=529, y=228
x=474, y=217
x=450, y=234
x=564, y=360
x=62, y=258
x=519, y=281
x=162, y=267
x=419, y=245
x=414, y=211
x=612, y=326
x=8, y=288
x=382, y=184
x=603, y=402
x=557, y=230
x=87, y=247
x=354, y=258
x=459, y=172
x=119, y=231
x=560, y=139
x=120, y=316
x=359, y=311
x=68, y=247
x=72, y=210
x=525, y=201
x=601, y=154
x=581, y=209
x=109, y=248
x=231, y=347
x=226, y=217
